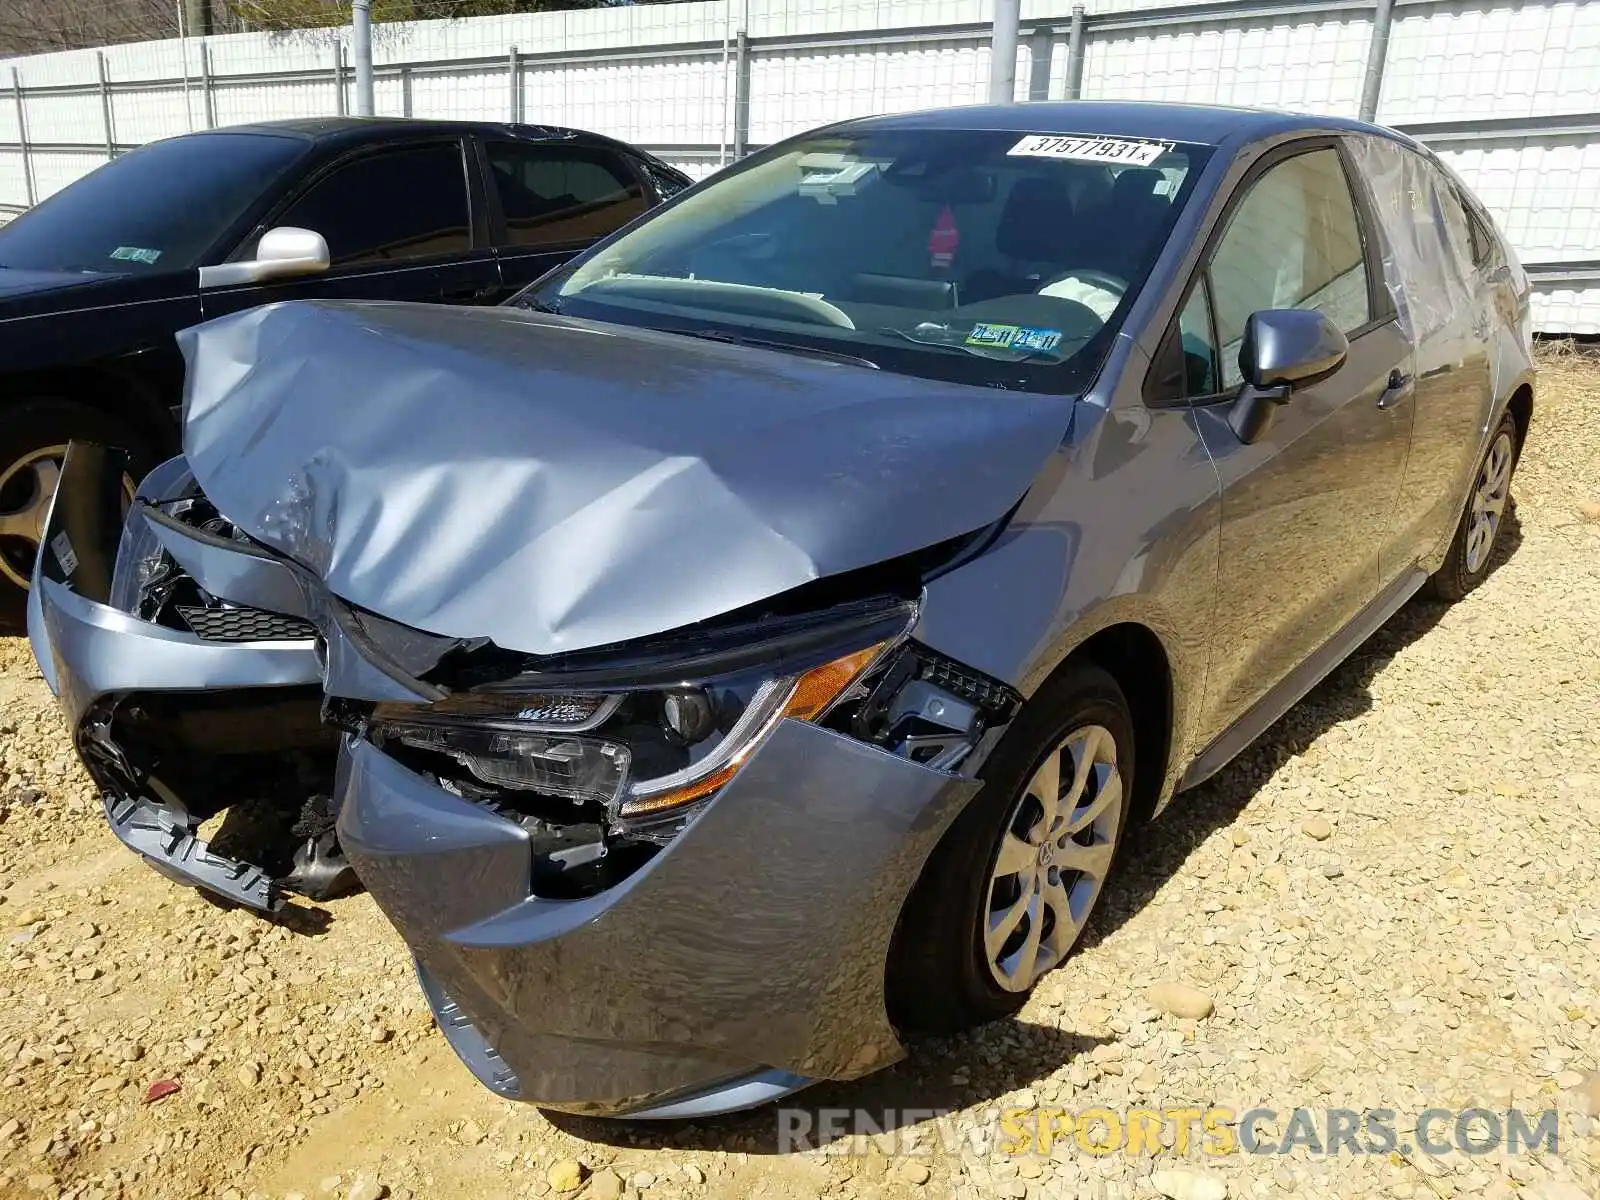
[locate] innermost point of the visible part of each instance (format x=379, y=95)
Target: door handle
x=1396, y=389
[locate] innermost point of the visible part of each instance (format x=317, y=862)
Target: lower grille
x=244, y=625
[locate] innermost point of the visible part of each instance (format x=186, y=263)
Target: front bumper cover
x=746, y=959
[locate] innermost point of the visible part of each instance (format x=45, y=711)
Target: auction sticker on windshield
x=1091, y=149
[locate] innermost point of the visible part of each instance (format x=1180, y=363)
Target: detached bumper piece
x=181, y=714
x=172, y=848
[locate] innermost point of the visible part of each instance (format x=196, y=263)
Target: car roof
x=1205, y=124
x=332, y=132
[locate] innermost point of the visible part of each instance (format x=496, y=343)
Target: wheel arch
x=1133, y=654
x=1520, y=406
x=118, y=393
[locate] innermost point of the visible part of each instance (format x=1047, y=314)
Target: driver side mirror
x=1283, y=348
x=282, y=253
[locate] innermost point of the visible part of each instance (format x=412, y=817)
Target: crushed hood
x=554, y=484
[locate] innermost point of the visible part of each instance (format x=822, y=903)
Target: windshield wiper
x=532, y=303
x=740, y=339
x=1016, y=356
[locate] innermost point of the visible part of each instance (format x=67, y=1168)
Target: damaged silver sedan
x=750, y=647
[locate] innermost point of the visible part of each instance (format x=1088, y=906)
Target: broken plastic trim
x=925, y=706
x=167, y=762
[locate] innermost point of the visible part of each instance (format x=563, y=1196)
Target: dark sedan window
x=158, y=208
x=396, y=205
x=559, y=195
x=997, y=257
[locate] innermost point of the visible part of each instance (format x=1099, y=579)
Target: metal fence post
x=338, y=78
x=1377, y=54
x=361, y=51
x=207, y=97
x=1041, y=51
x=1003, y=52
x=1075, y=48
x=741, y=96
x=405, y=91
x=514, y=74
x=22, y=136
x=105, y=105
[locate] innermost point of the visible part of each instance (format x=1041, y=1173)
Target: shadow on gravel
x=305, y=919
x=908, y=1093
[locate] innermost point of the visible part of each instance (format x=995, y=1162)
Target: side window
x=1186, y=365
x=1294, y=242
x=396, y=205
x=1199, y=351
x=555, y=195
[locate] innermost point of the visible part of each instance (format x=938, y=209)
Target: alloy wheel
x=1489, y=497
x=1053, y=858
x=26, y=489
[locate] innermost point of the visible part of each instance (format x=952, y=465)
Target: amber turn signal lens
x=821, y=686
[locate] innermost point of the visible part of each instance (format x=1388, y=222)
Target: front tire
x=33, y=438
x=1466, y=564
x=1006, y=894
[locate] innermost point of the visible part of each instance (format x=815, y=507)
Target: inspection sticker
x=1090, y=149
x=138, y=254
x=1014, y=337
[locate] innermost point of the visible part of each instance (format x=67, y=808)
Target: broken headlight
x=648, y=757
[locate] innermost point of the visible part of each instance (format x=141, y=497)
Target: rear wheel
x=1007, y=893
x=33, y=440
x=1466, y=565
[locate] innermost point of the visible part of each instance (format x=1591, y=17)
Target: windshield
x=979, y=256
x=158, y=208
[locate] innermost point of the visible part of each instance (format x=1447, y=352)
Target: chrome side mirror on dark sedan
x=282, y=253
x=1283, y=348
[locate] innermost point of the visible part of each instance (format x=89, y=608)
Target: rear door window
x=553, y=196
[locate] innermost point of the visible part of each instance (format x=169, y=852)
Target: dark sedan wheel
x=1472, y=549
x=33, y=439
x=1008, y=891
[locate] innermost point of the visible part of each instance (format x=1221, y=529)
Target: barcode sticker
x=61, y=547
x=1090, y=149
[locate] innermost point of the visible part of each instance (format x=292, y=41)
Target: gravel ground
x=1391, y=901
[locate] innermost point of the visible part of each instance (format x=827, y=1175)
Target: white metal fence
x=1507, y=90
